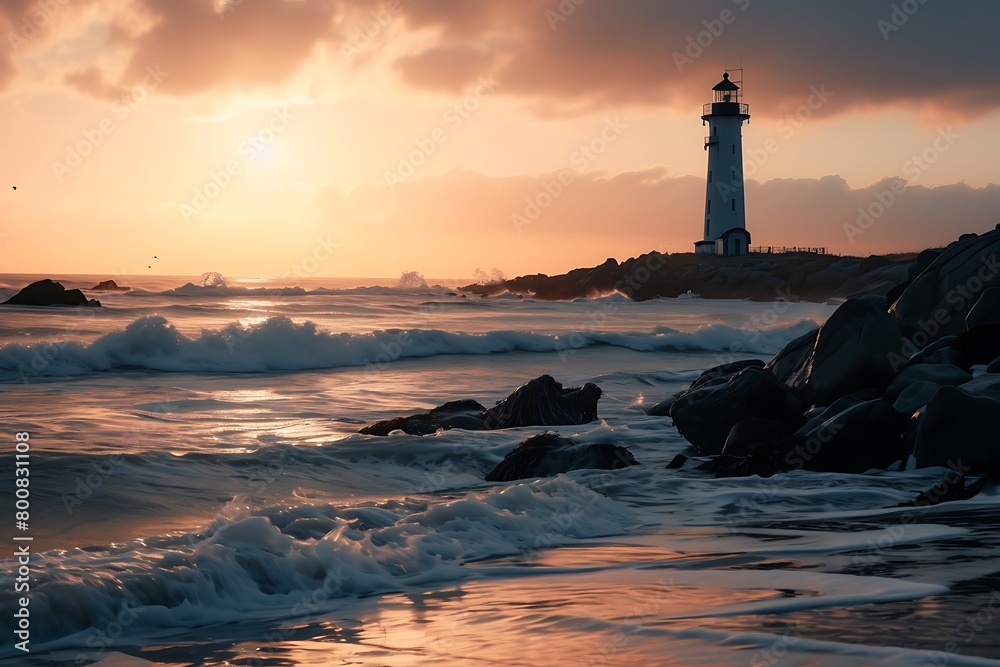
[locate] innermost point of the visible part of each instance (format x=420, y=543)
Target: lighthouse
x=725, y=211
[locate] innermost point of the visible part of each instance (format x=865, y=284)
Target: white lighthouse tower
x=725, y=212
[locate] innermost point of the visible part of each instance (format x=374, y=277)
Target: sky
x=365, y=138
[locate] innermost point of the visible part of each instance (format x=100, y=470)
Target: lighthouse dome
x=725, y=84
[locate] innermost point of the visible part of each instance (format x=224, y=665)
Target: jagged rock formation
x=50, y=293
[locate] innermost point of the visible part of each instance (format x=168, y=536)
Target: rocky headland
x=758, y=277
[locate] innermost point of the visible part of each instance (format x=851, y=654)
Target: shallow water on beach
x=201, y=495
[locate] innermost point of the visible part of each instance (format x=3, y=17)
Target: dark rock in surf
x=713, y=376
x=110, y=286
x=50, y=293
x=705, y=416
x=952, y=487
x=793, y=356
x=753, y=434
x=544, y=402
x=859, y=346
x=677, y=462
x=957, y=427
x=862, y=436
x=723, y=373
x=549, y=454
x=540, y=402
x=467, y=414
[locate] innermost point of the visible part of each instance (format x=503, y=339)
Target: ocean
x=199, y=494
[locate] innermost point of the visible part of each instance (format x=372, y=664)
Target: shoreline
x=755, y=277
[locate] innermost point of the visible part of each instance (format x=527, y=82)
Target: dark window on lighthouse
x=734, y=204
x=709, y=175
x=734, y=149
x=708, y=206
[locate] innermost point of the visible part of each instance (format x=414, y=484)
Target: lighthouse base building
x=725, y=208
x=730, y=243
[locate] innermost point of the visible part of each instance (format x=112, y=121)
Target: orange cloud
x=581, y=56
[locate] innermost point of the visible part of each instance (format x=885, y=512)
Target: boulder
x=986, y=311
x=939, y=300
x=939, y=374
x=721, y=374
x=713, y=376
x=549, y=454
x=544, y=402
x=858, y=347
x=862, y=437
x=957, y=428
x=467, y=414
x=753, y=434
x=50, y=293
x=662, y=409
x=705, y=416
x=914, y=397
x=109, y=286
x=941, y=351
x=818, y=414
x=792, y=356
x=540, y=402
x=978, y=346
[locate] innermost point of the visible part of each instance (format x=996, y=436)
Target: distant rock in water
x=540, y=402
x=550, y=454
x=109, y=286
x=467, y=414
x=50, y=293
x=544, y=402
